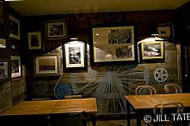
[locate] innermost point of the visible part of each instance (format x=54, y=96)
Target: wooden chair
x=168, y=108
x=139, y=89
x=175, y=87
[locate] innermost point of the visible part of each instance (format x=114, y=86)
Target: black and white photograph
x=120, y=36
x=15, y=66
x=34, y=40
x=124, y=52
x=56, y=29
x=14, y=27
x=74, y=54
x=152, y=50
x=3, y=70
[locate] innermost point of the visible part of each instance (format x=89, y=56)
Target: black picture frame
x=56, y=29
x=74, y=56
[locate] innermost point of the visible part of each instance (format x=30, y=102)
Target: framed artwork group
x=113, y=44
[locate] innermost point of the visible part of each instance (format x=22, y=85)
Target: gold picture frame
x=152, y=50
x=113, y=44
x=16, y=67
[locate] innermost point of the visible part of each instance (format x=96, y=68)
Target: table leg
x=138, y=119
x=128, y=114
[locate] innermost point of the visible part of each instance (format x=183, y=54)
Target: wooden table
x=147, y=102
x=49, y=107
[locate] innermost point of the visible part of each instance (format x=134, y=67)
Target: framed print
x=34, y=40
x=14, y=27
x=4, y=70
x=46, y=65
x=2, y=43
x=165, y=31
x=56, y=29
x=152, y=50
x=112, y=44
x=16, y=67
x=74, y=54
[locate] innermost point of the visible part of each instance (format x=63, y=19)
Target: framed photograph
x=34, y=40
x=152, y=50
x=46, y=65
x=56, y=29
x=165, y=31
x=4, y=70
x=74, y=55
x=16, y=67
x=2, y=43
x=14, y=27
x=112, y=44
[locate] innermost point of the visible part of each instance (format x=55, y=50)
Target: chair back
x=168, y=87
x=139, y=89
x=158, y=109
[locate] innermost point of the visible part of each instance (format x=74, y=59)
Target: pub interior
x=95, y=63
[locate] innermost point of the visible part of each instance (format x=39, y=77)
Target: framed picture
x=16, y=67
x=4, y=70
x=56, y=29
x=34, y=40
x=112, y=44
x=165, y=31
x=74, y=55
x=2, y=43
x=152, y=50
x=46, y=65
x=14, y=27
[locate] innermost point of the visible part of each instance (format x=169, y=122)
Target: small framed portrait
x=113, y=44
x=74, y=55
x=152, y=50
x=14, y=27
x=56, y=29
x=34, y=40
x=46, y=65
x=2, y=43
x=16, y=67
x=4, y=70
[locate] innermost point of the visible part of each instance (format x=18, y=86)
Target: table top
x=48, y=107
x=140, y=102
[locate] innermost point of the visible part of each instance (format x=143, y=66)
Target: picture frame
x=74, y=55
x=14, y=27
x=16, y=70
x=4, y=70
x=34, y=40
x=113, y=44
x=165, y=31
x=2, y=43
x=152, y=50
x=46, y=65
x=56, y=29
